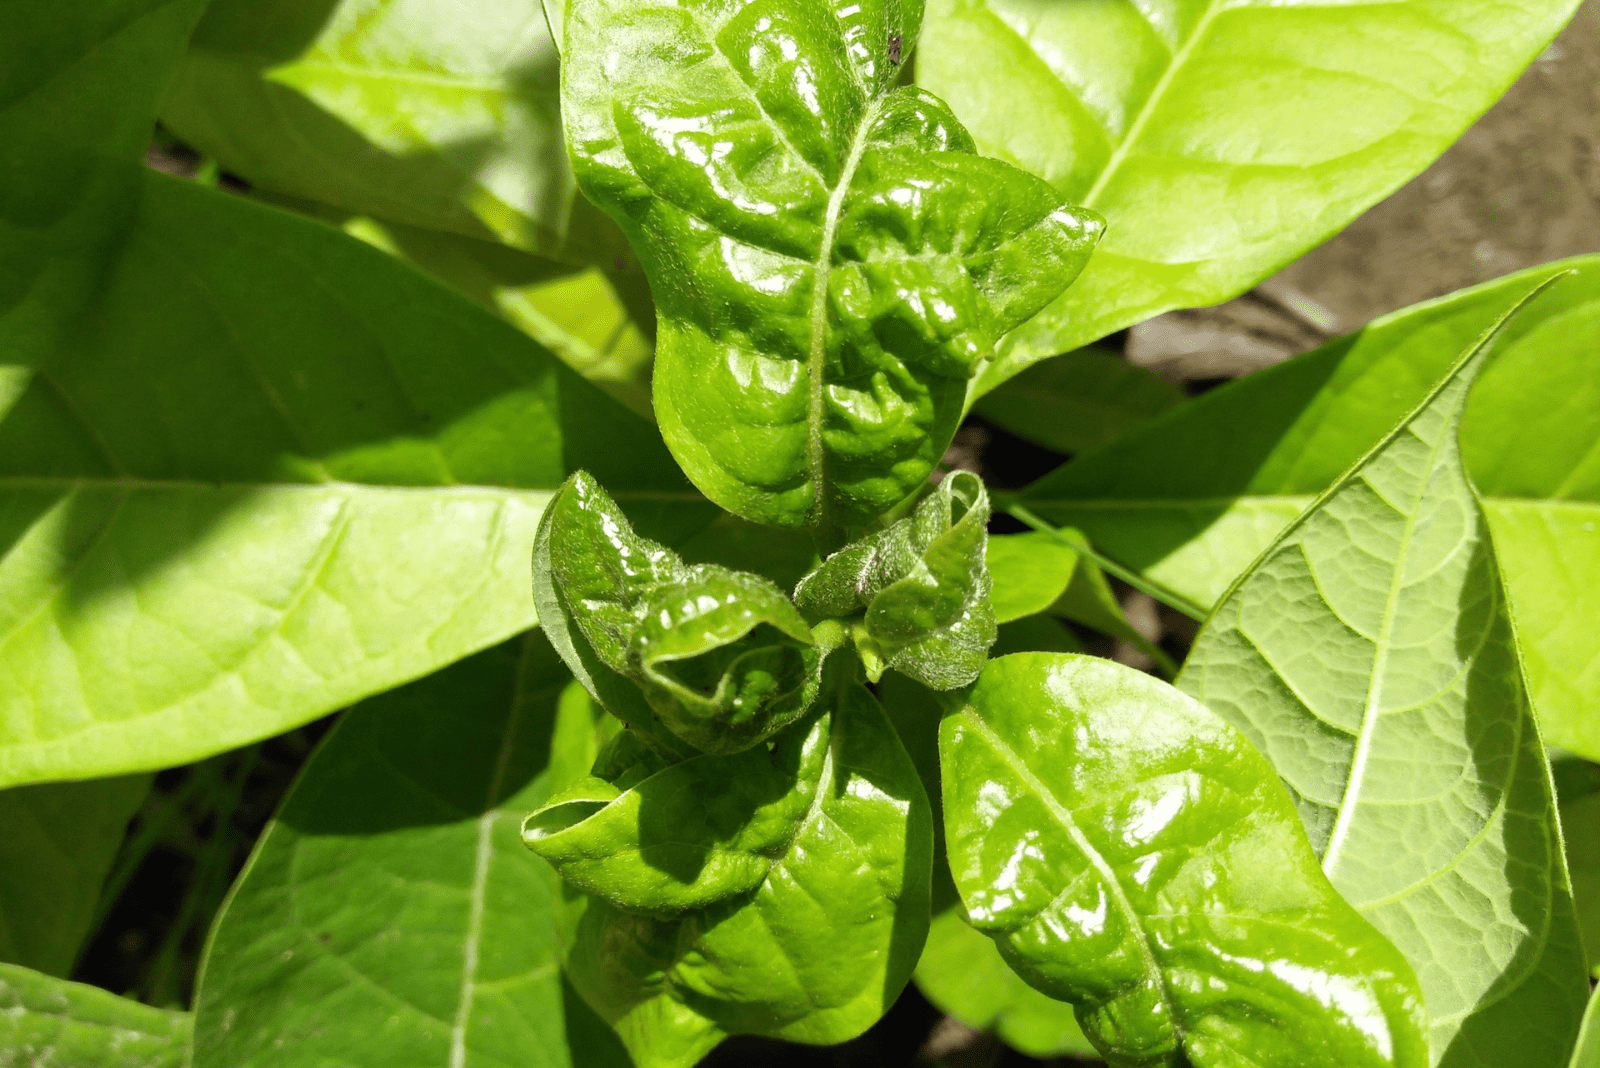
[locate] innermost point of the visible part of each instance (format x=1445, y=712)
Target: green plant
x=778, y=724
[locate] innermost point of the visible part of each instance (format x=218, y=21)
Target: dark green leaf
x=390, y=915
x=722, y=658
x=920, y=589
x=1370, y=654
x=1202, y=129
x=1129, y=852
x=816, y=953
x=1580, y=824
x=830, y=260
x=1193, y=498
x=58, y=844
x=1079, y=400
x=50, y=1022
x=784, y=556
x=1035, y=634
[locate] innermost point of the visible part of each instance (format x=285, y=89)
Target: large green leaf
x=1221, y=139
x=1129, y=852
x=1194, y=497
x=390, y=914
x=1079, y=400
x=815, y=953
x=276, y=471
x=830, y=258
x=1370, y=654
x=56, y=849
x=49, y=1022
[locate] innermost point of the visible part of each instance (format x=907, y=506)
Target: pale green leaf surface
x=47, y=1022
x=817, y=952
x=1370, y=654
x=1580, y=823
x=830, y=260
x=275, y=472
x=962, y=974
x=1202, y=129
x=1128, y=851
x=1193, y=498
x=56, y=847
x=390, y=915
x=1079, y=400
x=1587, y=1055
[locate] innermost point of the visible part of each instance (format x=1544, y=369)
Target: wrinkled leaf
x=689, y=835
x=57, y=846
x=722, y=658
x=830, y=260
x=1255, y=452
x=49, y=1022
x=224, y=519
x=1079, y=400
x=1580, y=823
x=962, y=974
x=1128, y=851
x=816, y=953
x=1370, y=655
x=1202, y=129
x=390, y=914
x=920, y=589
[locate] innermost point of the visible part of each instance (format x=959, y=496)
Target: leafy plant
x=738, y=723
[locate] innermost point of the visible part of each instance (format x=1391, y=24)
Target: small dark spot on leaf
x=894, y=49
x=325, y=937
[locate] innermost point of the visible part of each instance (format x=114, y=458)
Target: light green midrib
x=1068, y=824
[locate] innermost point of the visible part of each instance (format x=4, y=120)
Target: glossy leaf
x=57, y=847
x=1129, y=852
x=689, y=835
x=919, y=591
x=816, y=953
x=1252, y=455
x=722, y=658
x=390, y=914
x=1580, y=824
x=1201, y=129
x=830, y=260
x=223, y=520
x=1587, y=1055
x=1079, y=400
x=962, y=974
x=46, y=1021
x=1370, y=654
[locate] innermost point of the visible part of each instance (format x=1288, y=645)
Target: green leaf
x=1370, y=654
x=815, y=954
x=1130, y=852
x=1201, y=129
x=722, y=657
x=920, y=589
x=46, y=1021
x=1580, y=825
x=438, y=114
x=830, y=260
x=59, y=842
x=1035, y=634
x=1193, y=498
x=962, y=974
x=274, y=472
x=1079, y=400
x=1587, y=1055
x=689, y=835
x=390, y=914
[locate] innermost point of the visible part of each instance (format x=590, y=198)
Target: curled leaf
x=921, y=589
x=831, y=260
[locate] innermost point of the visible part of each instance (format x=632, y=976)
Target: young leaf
x=1587, y=1055
x=1370, y=654
x=1200, y=129
x=717, y=659
x=830, y=259
x=962, y=974
x=59, y=841
x=816, y=953
x=688, y=835
x=1129, y=852
x=274, y=472
x=390, y=914
x=1193, y=498
x=45, y=1021
x=1079, y=400
x=920, y=589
